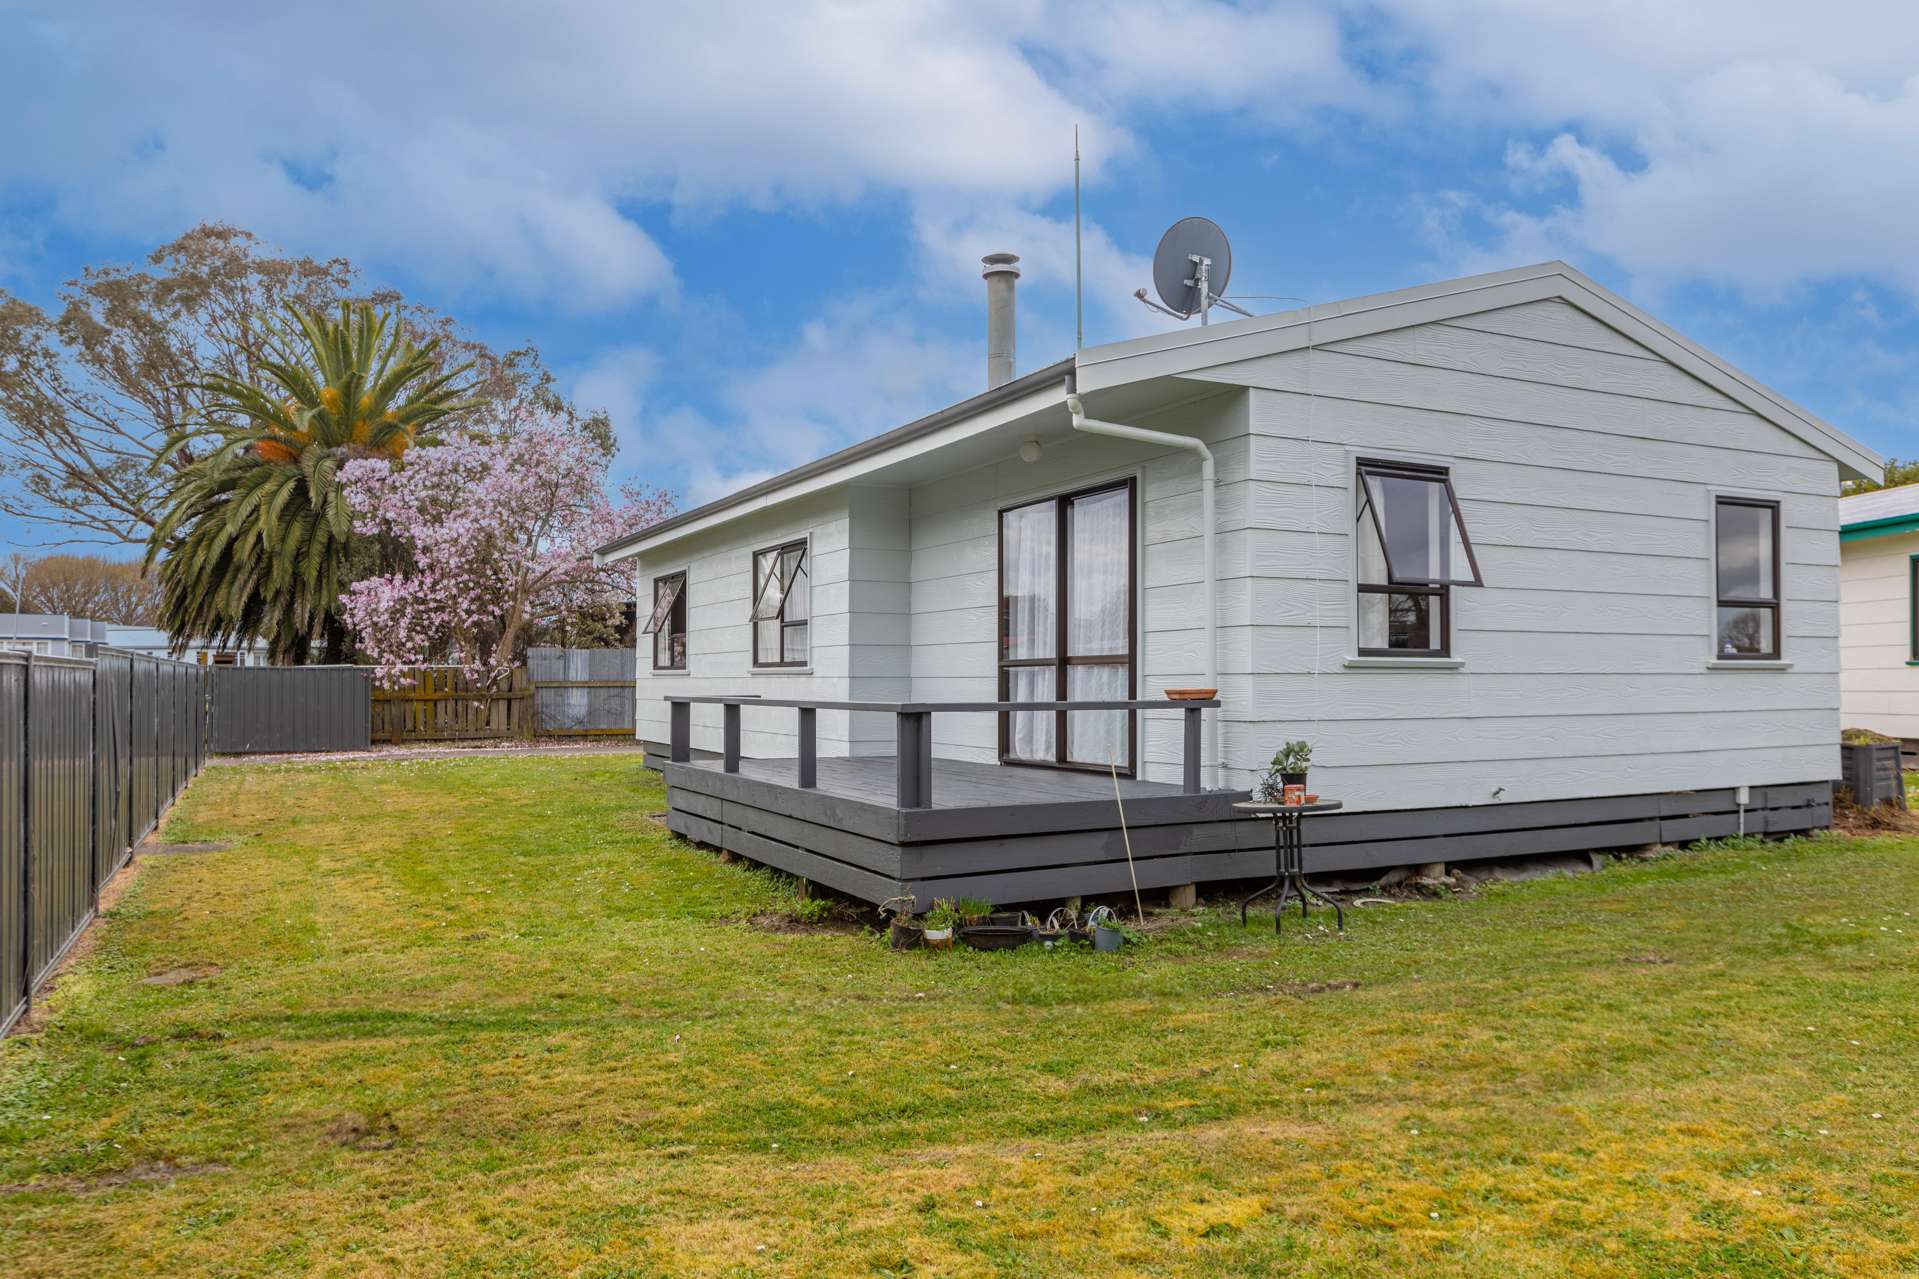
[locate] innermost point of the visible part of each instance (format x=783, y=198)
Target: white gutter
x=1207, y=480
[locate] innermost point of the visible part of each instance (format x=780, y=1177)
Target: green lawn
x=483, y=1017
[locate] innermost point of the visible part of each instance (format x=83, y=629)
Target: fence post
x=913, y=759
x=730, y=738
x=809, y=748
x=1192, y=714
x=26, y=838
x=680, y=742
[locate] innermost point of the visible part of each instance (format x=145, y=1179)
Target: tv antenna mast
x=1190, y=271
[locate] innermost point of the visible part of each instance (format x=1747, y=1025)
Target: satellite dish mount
x=1190, y=271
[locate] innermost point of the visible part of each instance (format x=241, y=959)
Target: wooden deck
x=1009, y=834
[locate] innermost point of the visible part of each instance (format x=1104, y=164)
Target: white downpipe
x=1166, y=439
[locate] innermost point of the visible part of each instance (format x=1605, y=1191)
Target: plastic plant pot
x=1106, y=940
x=938, y=939
x=905, y=936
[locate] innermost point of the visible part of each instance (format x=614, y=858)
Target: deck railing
x=913, y=733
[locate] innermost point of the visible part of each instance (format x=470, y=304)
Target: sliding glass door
x=1066, y=627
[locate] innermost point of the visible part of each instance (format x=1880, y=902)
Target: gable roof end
x=1189, y=351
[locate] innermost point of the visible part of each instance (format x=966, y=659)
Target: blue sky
x=752, y=232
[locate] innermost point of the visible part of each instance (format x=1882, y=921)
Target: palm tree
x=257, y=537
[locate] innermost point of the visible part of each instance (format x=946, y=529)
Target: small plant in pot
x=972, y=910
x=903, y=932
x=1108, y=933
x=1288, y=769
x=941, y=920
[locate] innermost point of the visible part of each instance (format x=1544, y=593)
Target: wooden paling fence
x=446, y=703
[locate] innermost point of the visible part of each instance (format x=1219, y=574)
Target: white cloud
x=863, y=366
x=616, y=381
x=1759, y=146
x=510, y=149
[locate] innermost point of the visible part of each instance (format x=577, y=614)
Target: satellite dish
x=1188, y=286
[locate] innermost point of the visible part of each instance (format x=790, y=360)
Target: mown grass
x=482, y=1017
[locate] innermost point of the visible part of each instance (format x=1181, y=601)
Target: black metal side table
x=1289, y=857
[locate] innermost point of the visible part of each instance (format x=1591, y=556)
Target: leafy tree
x=91, y=390
x=89, y=394
x=81, y=586
x=495, y=536
x=257, y=539
x=1897, y=473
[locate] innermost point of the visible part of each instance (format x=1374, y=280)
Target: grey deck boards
x=1010, y=834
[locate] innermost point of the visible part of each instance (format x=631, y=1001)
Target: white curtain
x=1029, y=573
x=1099, y=593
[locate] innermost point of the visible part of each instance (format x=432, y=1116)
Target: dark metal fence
x=582, y=691
x=91, y=754
x=291, y=708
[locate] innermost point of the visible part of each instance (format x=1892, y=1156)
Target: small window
x=1746, y=555
x=1912, y=606
x=667, y=625
x=1413, y=549
x=782, y=605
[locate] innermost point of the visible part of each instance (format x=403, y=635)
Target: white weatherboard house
x=1879, y=611
x=1529, y=570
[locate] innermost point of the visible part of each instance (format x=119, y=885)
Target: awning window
x=1410, y=527
x=782, y=569
x=665, y=593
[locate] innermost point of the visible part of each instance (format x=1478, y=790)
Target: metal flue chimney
x=999, y=270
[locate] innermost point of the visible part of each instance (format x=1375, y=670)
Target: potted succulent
x=903, y=933
x=941, y=920
x=1288, y=769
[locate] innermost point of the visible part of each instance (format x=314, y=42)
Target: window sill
x=1405, y=663
x=680, y=674
x=1756, y=664
x=780, y=670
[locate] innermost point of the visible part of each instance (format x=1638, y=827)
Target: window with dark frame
x=1746, y=576
x=782, y=605
x=1912, y=606
x=1412, y=550
x=1067, y=627
x=667, y=624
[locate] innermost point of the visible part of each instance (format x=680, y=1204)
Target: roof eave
x=751, y=498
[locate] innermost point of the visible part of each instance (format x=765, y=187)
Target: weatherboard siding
x=719, y=583
x=955, y=545
x=1877, y=689
x=1586, y=468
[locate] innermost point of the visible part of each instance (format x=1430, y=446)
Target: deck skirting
x=1039, y=851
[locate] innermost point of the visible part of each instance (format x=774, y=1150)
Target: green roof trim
x=1885, y=526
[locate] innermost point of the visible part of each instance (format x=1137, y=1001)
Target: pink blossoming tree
x=496, y=536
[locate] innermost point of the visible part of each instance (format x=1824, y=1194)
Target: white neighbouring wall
x=1878, y=684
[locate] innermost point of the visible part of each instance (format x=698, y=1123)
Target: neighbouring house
x=51, y=634
x=1530, y=570
x=1879, y=611
x=56, y=635
x=156, y=643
